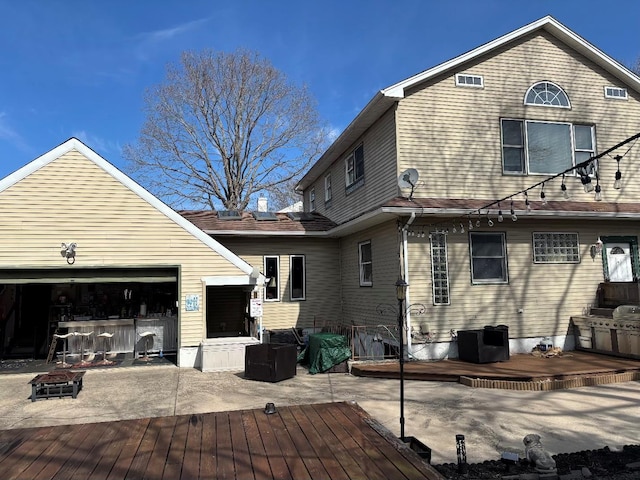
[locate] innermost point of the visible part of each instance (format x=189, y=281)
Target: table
x=58, y=383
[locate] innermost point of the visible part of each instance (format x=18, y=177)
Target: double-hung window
x=297, y=278
x=546, y=148
x=365, y=263
x=312, y=200
x=354, y=166
x=272, y=274
x=488, y=258
x=328, y=195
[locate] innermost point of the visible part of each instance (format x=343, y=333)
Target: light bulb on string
x=454, y=229
x=563, y=187
x=500, y=217
x=598, y=196
x=489, y=221
x=514, y=217
x=527, y=204
x=586, y=181
x=478, y=223
x=617, y=184
x=543, y=196
x=461, y=228
x=470, y=224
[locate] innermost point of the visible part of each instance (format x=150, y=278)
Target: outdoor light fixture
x=617, y=184
x=563, y=187
x=401, y=295
x=470, y=224
x=514, y=217
x=500, y=217
x=526, y=202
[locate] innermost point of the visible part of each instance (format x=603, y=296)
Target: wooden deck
x=520, y=368
x=323, y=441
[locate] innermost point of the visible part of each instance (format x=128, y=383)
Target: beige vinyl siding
x=359, y=303
x=452, y=134
x=322, y=271
x=548, y=293
x=380, y=175
x=73, y=200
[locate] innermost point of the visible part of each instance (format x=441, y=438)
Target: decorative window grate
x=556, y=248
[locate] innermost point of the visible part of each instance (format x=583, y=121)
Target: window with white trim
x=365, y=261
x=272, y=274
x=534, y=147
x=439, y=269
x=354, y=165
x=466, y=80
x=297, y=277
x=616, y=93
x=312, y=200
x=546, y=94
x=552, y=247
x=327, y=188
x=488, y=258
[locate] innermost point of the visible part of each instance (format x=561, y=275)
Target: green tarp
x=324, y=351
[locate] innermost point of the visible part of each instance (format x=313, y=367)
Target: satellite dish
x=409, y=179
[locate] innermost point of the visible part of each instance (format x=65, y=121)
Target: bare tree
x=221, y=128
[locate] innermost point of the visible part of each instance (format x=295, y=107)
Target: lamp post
x=401, y=294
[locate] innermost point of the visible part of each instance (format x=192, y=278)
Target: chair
x=64, y=337
x=106, y=336
x=146, y=336
x=84, y=335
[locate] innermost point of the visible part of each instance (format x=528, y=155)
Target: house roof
x=311, y=224
x=387, y=97
x=75, y=144
x=447, y=207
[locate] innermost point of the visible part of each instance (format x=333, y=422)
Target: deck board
x=323, y=441
x=522, y=367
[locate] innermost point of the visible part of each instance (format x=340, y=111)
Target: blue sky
x=80, y=68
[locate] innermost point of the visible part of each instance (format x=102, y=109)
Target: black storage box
x=487, y=345
x=270, y=362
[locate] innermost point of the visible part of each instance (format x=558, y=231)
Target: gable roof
x=75, y=144
x=387, y=97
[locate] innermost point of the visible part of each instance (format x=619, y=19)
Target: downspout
x=405, y=271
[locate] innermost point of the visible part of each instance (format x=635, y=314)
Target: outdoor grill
x=620, y=335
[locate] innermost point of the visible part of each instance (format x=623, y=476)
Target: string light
x=543, y=196
x=617, y=184
x=526, y=202
x=586, y=181
x=478, y=223
x=500, y=217
x=514, y=217
x=461, y=228
x=598, y=196
x=470, y=224
x=563, y=187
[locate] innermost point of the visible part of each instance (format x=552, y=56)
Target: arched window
x=547, y=94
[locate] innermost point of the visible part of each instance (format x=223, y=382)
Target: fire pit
x=58, y=383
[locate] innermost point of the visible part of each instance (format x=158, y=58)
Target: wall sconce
x=68, y=251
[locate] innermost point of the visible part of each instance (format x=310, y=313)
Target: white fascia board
x=550, y=24
x=75, y=144
x=221, y=281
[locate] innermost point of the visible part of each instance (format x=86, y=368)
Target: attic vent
x=615, y=92
x=465, y=80
x=229, y=215
x=265, y=216
x=299, y=216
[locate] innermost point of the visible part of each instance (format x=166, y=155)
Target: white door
x=619, y=262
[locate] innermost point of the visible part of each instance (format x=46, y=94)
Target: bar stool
x=64, y=337
x=146, y=336
x=106, y=336
x=84, y=335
